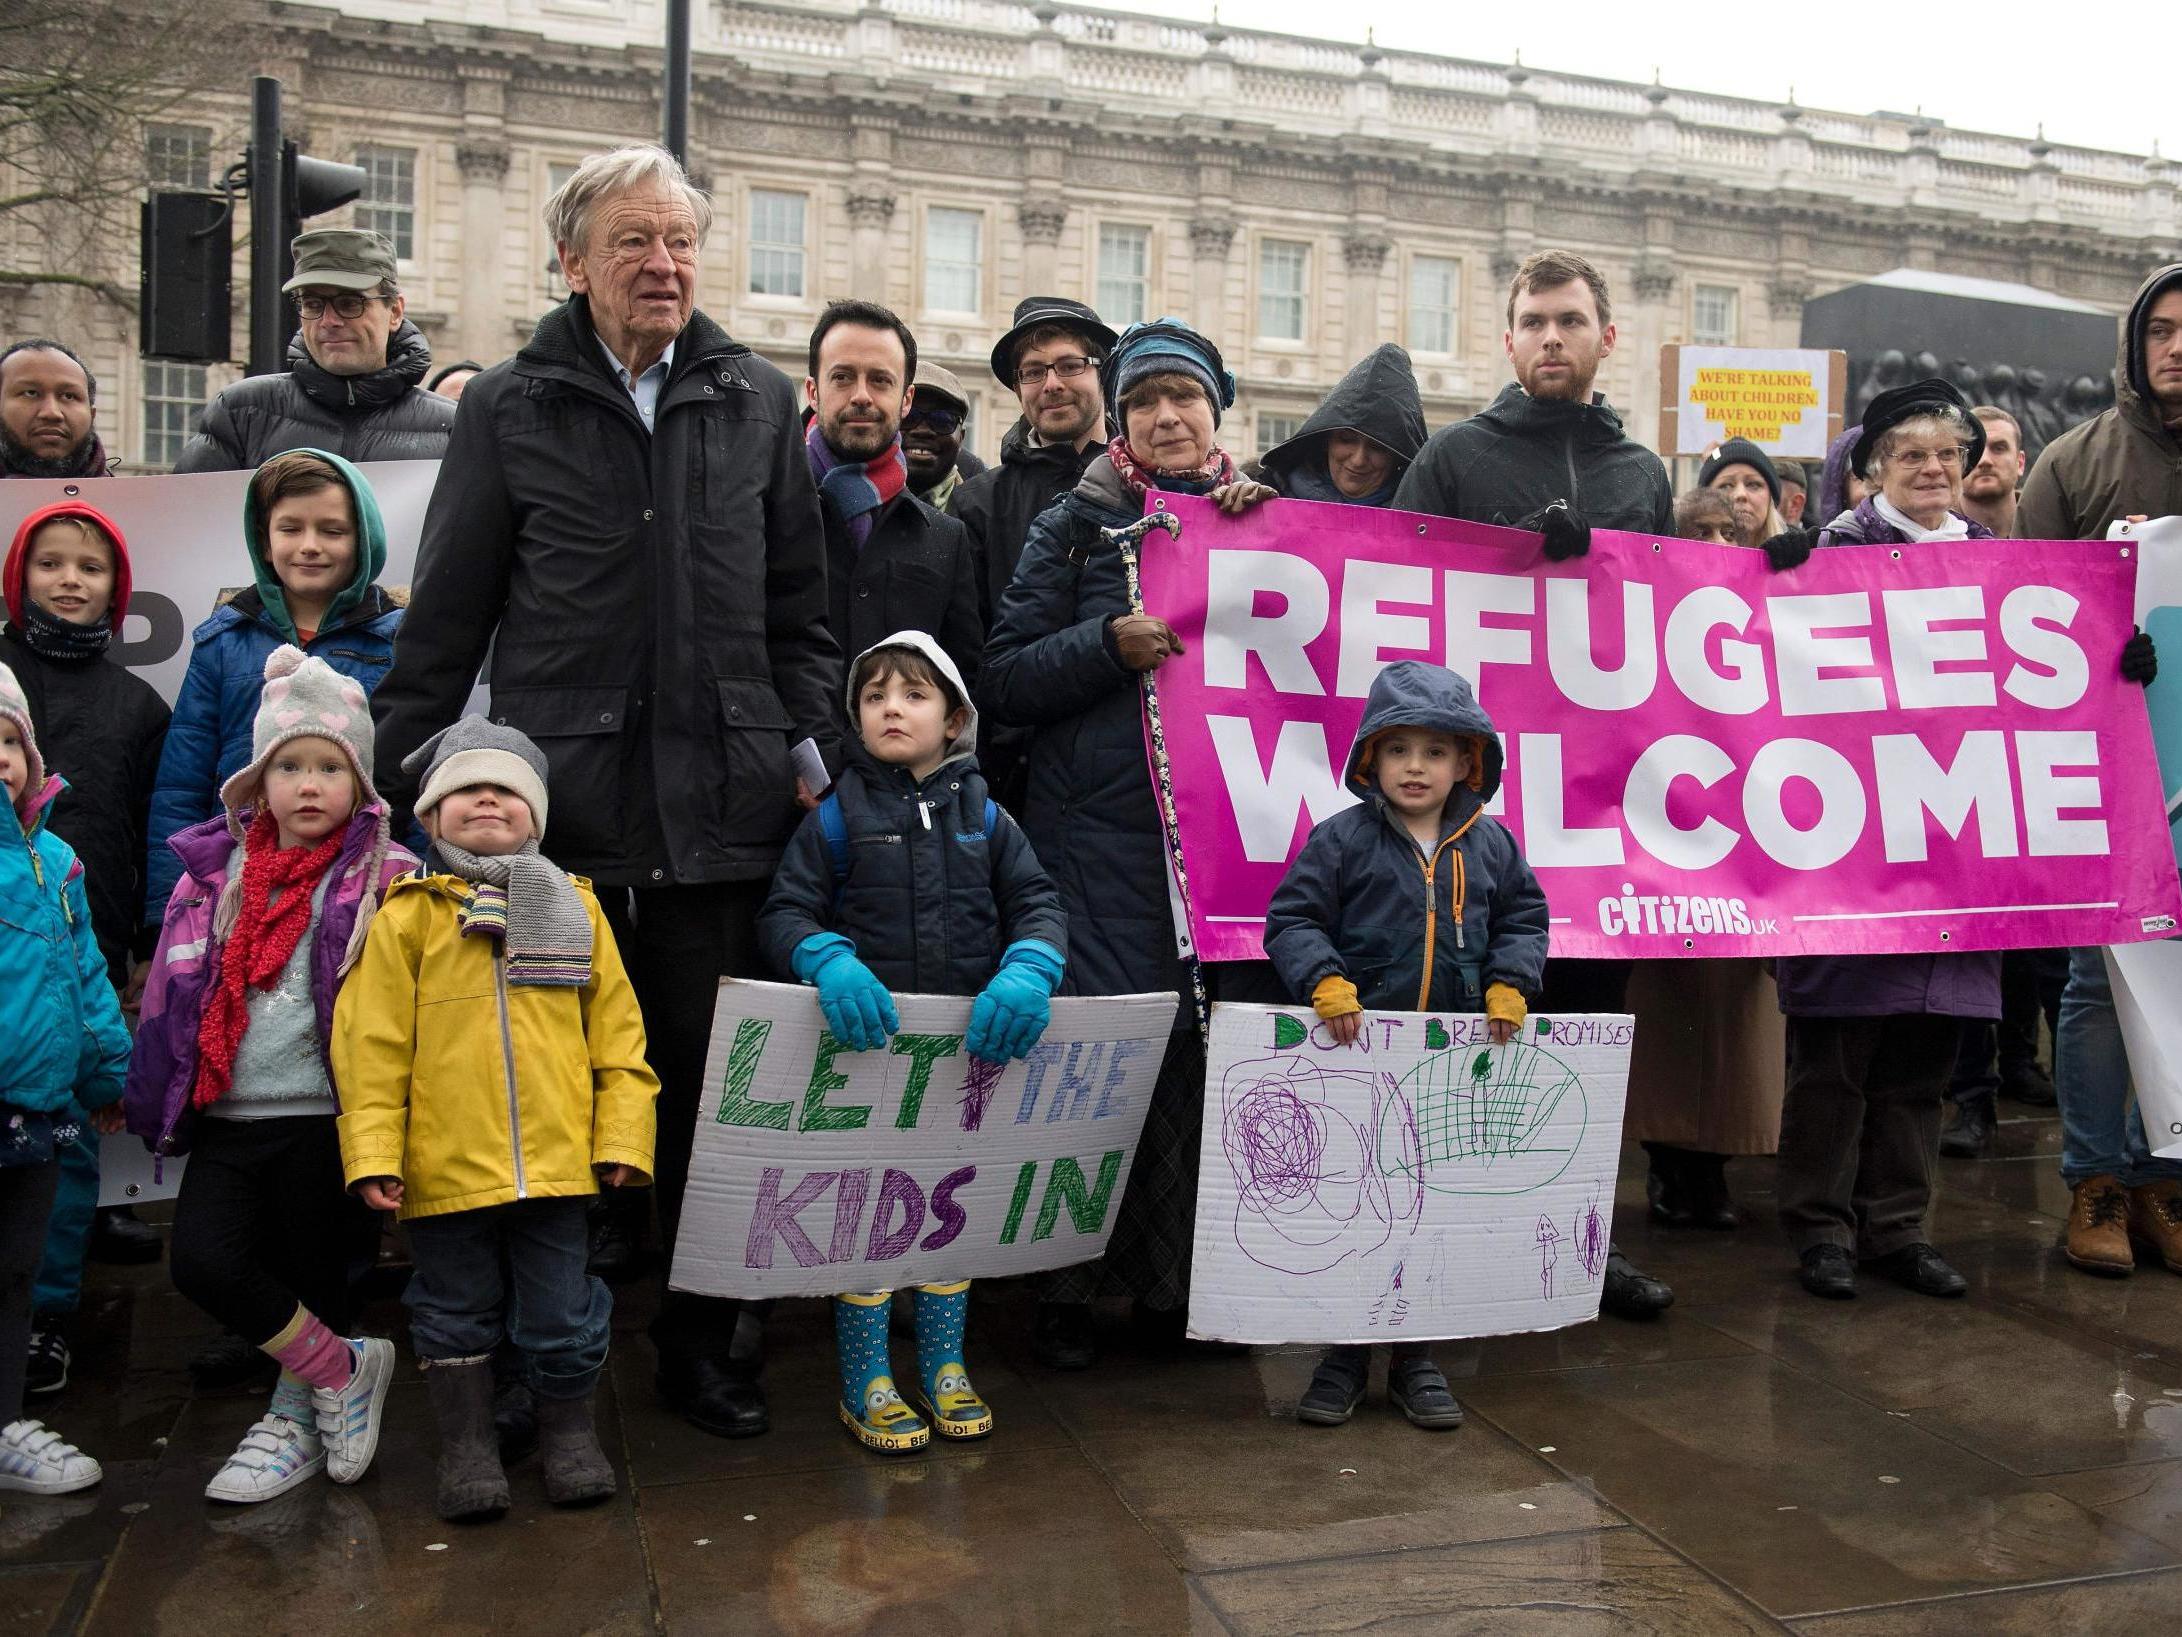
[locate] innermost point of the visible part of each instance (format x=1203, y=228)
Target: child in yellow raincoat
x=490, y=1059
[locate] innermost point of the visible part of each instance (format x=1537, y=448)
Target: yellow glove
x=1504, y=1003
x=1335, y=996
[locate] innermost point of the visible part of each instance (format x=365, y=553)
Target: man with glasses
x=932, y=435
x=1050, y=360
x=892, y=562
x=356, y=368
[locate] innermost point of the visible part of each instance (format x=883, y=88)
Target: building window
x=388, y=203
x=178, y=156
x=1713, y=317
x=173, y=394
x=1274, y=430
x=1435, y=289
x=1125, y=274
x=1283, y=270
x=776, y=243
x=953, y=260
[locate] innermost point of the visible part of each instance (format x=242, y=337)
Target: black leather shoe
x=1828, y=1272
x=1922, y=1269
x=713, y=1398
x=229, y=1361
x=1628, y=1294
x=2032, y=1087
x=1063, y=1336
x=1970, y=1133
x=117, y=1236
x=615, y=1255
x=1710, y=1204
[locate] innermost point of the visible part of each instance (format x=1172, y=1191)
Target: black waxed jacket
x=101, y=727
x=1520, y=454
x=659, y=600
x=383, y=415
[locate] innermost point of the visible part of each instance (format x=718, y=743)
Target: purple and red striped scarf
x=857, y=488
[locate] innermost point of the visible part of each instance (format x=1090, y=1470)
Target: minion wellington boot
x=871, y=1406
x=943, y=1380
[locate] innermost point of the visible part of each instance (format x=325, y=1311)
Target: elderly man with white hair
x=626, y=515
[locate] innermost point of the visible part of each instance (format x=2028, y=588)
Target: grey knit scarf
x=529, y=903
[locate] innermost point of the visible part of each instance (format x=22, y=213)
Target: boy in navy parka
x=1350, y=929
x=909, y=877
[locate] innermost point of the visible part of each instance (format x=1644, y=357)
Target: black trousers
x=263, y=1224
x=26, y=1200
x=1860, y=1127
x=678, y=942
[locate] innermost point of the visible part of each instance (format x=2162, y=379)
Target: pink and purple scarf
x=857, y=488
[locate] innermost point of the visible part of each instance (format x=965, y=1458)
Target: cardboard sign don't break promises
x=818, y=1170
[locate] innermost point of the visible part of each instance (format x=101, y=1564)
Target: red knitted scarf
x=264, y=938
x=1217, y=471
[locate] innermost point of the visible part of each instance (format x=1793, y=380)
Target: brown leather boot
x=2155, y=1216
x=2098, y=1228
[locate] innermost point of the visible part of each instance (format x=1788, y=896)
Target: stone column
x=1210, y=239
x=1641, y=336
x=871, y=210
x=480, y=329
x=1040, y=220
x=1365, y=252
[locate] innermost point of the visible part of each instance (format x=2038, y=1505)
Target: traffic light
x=286, y=189
x=186, y=280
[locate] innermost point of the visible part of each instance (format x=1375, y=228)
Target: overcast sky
x=2002, y=67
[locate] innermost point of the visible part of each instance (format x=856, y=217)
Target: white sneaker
x=274, y=1456
x=34, y=1460
x=348, y=1420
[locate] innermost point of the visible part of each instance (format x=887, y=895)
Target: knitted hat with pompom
x=15, y=709
x=304, y=698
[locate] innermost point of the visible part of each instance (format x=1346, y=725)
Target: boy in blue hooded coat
x=317, y=547
x=910, y=877
x=1349, y=929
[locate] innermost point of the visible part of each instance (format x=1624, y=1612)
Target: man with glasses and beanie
x=355, y=377
x=892, y=562
x=932, y=435
x=1050, y=360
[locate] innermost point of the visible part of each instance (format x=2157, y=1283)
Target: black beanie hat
x=1740, y=452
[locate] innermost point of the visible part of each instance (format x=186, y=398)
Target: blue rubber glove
x=858, y=1009
x=1010, y=1016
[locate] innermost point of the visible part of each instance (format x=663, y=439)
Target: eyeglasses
x=1034, y=375
x=346, y=305
x=942, y=421
x=1909, y=460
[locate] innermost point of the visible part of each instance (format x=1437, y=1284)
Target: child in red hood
x=66, y=586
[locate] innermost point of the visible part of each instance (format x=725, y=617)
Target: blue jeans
x=513, y=1271
x=68, y=1231
x=2102, y=1131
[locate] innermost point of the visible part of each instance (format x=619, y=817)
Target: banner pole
x=1128, y=541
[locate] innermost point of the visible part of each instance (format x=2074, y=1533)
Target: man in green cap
x=356, y=368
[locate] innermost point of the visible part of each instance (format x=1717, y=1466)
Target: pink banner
x=1883, y=750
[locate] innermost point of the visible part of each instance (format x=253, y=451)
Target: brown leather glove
x=1144, y=642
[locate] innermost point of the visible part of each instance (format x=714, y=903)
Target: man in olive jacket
x=626, y=514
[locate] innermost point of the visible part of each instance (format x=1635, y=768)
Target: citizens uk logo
x=1636, y=914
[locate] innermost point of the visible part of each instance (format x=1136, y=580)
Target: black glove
x=2139, y=659
x=1791, y=548
x=1567, y=534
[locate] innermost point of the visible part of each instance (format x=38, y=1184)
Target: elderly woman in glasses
x=1916, y=443
x=1063, y=660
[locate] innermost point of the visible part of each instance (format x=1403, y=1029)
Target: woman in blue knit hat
x=1064, y=659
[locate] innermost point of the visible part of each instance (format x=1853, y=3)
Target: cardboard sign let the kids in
x=818, y=1170
x=1420, y=1184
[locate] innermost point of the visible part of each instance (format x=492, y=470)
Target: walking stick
x=1128, y=541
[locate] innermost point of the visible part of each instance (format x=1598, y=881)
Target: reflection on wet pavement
x=1754, y=1461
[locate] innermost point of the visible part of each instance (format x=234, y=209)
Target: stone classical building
x=1299, y=200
